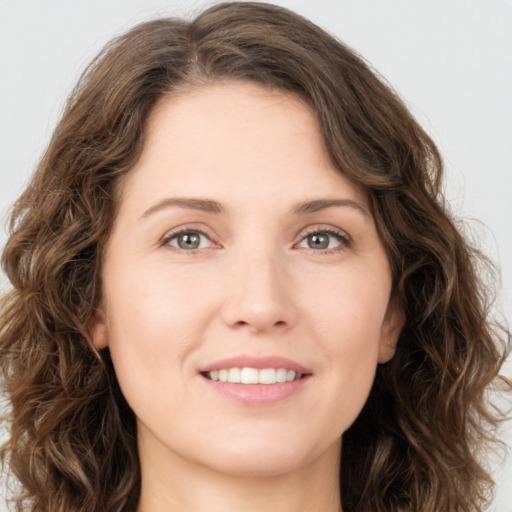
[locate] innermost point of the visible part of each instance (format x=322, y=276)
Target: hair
x=418, y=442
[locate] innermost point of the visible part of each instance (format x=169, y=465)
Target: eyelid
x=165, y=240
x=345, y=239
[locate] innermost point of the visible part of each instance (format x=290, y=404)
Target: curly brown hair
x=416, y=446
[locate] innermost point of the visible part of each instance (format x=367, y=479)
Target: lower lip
x=257, y=394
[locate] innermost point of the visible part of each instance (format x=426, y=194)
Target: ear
x=390, y=331
x=98, y=329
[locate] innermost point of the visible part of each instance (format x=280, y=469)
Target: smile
x=248, y=375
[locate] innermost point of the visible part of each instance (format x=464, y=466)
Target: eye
x=325, y=240
x=187, y=240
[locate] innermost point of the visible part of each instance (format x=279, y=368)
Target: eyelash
x=341, y=236
x=344, y=239
x=167, y=239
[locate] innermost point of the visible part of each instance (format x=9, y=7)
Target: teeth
x=253, y=375
x=249, y=376
x=267, y=376
x=281, y=375
x=234, y=375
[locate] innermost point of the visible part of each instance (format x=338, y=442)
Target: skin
x=256, y=285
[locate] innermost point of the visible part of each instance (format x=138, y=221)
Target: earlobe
x=98, y=329
x=390, y=332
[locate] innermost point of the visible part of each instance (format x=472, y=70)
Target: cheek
x=349, y=307
x=155, y=301
x=347, y=319
x=152, y=328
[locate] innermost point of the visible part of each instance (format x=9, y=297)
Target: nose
x=259, y=295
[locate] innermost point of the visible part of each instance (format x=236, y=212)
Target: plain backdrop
x=450, y=59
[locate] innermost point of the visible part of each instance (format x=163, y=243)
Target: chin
x=266, y=457
x=262, y=465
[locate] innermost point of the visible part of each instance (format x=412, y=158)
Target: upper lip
x=246, y=361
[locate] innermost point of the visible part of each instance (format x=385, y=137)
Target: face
x=245, y=289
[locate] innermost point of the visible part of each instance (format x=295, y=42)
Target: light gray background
x=450, y=59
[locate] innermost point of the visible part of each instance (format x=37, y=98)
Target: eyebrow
x=191, y=203
x=316, y=205
x=211, y=206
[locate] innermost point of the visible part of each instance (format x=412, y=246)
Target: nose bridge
x=258, y=289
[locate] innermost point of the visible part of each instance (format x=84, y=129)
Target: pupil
x=318, y=241
x=189, y=241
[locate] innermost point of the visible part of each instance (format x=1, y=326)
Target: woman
x=236, y=286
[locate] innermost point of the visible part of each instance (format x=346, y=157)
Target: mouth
x=249, y=375
x=257, y=381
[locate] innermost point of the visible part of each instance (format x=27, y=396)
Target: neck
x=170, y=484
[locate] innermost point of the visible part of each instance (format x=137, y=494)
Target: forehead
x=235, y=139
